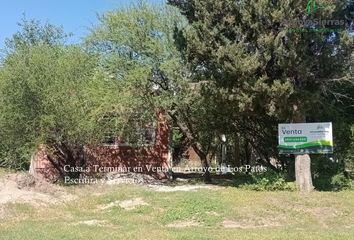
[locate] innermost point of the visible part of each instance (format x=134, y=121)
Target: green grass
x=260, y=215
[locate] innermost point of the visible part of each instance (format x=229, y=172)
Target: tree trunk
x=205, y=163
x=204, y=160
x=303, y=172
x=62, y=154
x=247, y=155
x=237, y=150
x=196, y=145
x=302, y=161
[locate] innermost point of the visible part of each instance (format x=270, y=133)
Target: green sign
x=301, y=138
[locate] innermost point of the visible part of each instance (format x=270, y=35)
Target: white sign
x=300, y=138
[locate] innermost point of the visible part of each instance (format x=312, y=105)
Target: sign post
x=302, y=139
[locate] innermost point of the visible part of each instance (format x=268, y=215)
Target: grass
x=3, y=171
x=249, y=215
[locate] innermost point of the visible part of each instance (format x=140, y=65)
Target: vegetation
x=264, y=73
x=141, y=51
x=217, y=213
x=51, y=95
x=215, y=67
x=225, y=73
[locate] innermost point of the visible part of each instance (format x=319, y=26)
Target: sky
x=76, y=16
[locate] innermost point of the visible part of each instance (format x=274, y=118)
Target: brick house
x=153, y=157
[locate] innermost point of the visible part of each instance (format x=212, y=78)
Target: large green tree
x=138, y=49
x=52, y=95
x=271, y=58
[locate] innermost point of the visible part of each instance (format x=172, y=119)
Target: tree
x=137, y=47
x=52, y=95
x=271, y=70
x=33, y=33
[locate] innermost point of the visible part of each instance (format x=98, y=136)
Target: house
x=152, y=157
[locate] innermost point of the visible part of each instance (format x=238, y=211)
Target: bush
x=269, y=181
x=340, y=182
x=351, y=185
x=329, y=175
x=17, y=157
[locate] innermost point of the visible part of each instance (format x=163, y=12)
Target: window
x=109, y=124
x=138, y=131
x=140, y=135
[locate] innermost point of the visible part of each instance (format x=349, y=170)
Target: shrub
x=340, y=182
x=269, y=181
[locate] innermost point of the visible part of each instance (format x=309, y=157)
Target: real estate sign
x=301, y=138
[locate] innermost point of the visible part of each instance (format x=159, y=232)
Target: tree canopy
x=51, y=94
x=271, y=61
x=214, y=67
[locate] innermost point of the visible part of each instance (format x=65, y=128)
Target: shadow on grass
x=225, y=180
x=270, y=181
